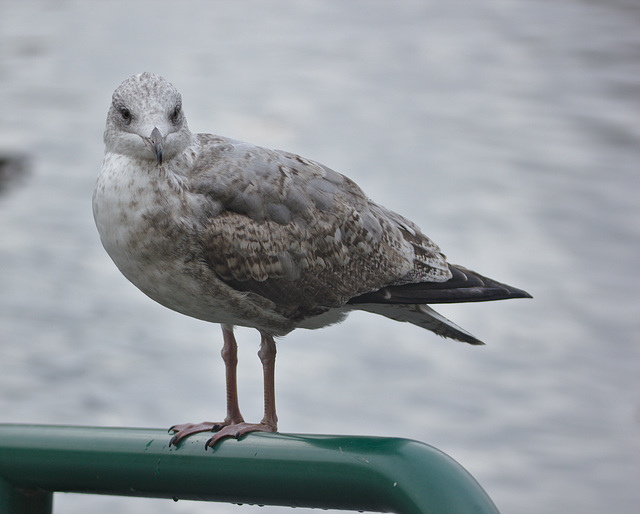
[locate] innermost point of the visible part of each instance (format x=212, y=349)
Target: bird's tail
x=422, y=316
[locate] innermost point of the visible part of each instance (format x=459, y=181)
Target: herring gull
x=236, y=234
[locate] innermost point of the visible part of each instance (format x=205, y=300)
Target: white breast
x=148, y=225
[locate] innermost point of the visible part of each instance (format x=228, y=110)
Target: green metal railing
x=329, y=472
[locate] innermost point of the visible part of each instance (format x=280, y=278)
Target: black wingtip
x=506, y=292
x=464, y=286
x=518, y=293
x=476, y=287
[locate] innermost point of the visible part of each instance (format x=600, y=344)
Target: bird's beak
x=156, y=140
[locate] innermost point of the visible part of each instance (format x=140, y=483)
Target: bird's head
x=146, y=120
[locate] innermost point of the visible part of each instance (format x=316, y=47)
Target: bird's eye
x=126, y=115
x=175, y=115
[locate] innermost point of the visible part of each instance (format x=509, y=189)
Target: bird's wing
x=463, y=286
x=298, y=233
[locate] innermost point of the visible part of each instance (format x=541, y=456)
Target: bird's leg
x=267, y=354
x=269, y=423
x=230, y=357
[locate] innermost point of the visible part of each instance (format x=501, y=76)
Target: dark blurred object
x=13, y=168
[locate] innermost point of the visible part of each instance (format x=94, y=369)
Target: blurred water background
x=508, y=130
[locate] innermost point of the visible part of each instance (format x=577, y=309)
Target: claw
x=186, y=429
x=237, y=430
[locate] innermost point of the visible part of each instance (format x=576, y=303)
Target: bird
x=242, y=235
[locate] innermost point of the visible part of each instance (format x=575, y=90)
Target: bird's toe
x=238, y=430
x=186, y=429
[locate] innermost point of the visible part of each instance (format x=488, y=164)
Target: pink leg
x=267, y=354
x=230, y=357
x=269, y=423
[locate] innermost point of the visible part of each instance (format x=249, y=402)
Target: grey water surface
x=508, y=130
